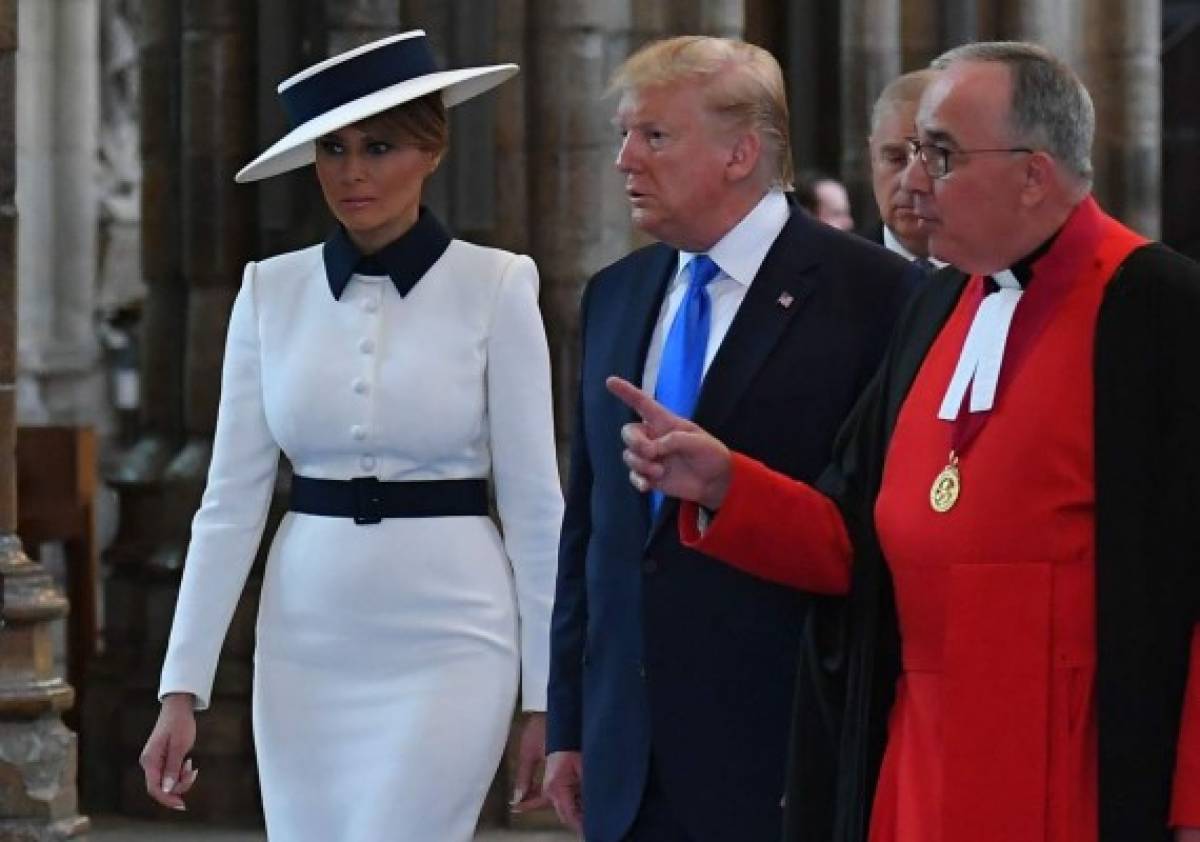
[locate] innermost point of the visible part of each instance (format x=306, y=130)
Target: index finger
x=657, y=417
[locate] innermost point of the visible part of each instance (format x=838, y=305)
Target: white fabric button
x=359, y=386
x=358, y=432
x=366, y=346
x=370, y=305
x=367, y=463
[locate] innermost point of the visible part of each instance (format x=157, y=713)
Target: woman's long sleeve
x=228, y=527
x=525, y=470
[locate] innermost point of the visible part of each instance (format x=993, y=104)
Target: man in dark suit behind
x=671, y=674
x=893, y=122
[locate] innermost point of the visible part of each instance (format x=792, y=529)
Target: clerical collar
x=405, y=260
x=1022, y=270
x=978, y=370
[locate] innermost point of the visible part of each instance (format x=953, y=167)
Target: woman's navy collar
x=405, y=260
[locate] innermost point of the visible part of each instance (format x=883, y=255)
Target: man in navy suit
x=672, y=674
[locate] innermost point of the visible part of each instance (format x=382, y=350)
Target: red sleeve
x=774, y=527
x=1185, y=802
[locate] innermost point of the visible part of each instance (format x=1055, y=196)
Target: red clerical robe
x=993, y=734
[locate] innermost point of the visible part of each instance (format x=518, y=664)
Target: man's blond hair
x=903, y=90
x=741, y=84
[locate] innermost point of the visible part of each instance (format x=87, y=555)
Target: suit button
x=641, y=670
x=649, y=565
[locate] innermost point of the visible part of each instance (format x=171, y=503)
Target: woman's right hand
x=168, y=775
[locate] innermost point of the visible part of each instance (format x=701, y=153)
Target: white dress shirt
x=892, y=243
x=739, y=254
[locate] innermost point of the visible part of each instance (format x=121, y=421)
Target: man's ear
x=1041, y=174
x=743, y=156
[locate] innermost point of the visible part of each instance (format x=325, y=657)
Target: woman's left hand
x=531, y=752
x=1187, y=834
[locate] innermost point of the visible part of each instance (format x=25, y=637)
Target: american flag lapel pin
x=786, y=299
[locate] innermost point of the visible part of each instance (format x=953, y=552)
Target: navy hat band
x=357, y=77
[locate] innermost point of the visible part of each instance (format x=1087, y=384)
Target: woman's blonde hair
x=742, y=84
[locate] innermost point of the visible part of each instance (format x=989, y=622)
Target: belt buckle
x=368, y=500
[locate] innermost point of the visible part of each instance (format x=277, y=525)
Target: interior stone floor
x=114, y=829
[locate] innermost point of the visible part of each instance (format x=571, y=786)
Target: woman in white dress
x=398, y=370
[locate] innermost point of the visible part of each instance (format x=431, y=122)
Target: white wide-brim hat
x=361, y=83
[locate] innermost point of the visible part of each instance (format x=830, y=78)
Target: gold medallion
x=946, y=487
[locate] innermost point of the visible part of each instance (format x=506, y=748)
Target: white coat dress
x=388, y=655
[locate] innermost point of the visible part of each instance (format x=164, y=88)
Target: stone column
x=1056, y=24
x=121, y=288
x=960, y=23
x=218, y=235
x=38, y=797
x=202, y=228
x=37, y=752
x=164, y=311
x=921, y=33
x=870, y=59
x=990, y=19
x=219, y=216
x=664, y=18
x=1121, y=69
x=811, y=57
x=8, y=277
x=512, y=174
x=58, y=96
x=765, y=24
x=145, y=526
x=291, y=211
x=579, y=216
x=354, y=22
x=726, y=18
x=463, y=191
x=436, y=17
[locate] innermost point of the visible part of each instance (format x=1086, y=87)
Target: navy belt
x=368, y=500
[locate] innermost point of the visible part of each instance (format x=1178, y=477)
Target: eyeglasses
x=936, y=159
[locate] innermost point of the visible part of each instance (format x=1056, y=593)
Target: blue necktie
x=682, y=366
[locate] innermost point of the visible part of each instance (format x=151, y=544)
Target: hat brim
x=296, y=148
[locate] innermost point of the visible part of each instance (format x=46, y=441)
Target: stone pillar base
x=37, y=768
x=38, y=798
x=21, y=831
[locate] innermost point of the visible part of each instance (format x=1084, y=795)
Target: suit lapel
x=646, y=286
x=778, y=293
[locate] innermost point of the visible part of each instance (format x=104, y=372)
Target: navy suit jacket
x=659, y=649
